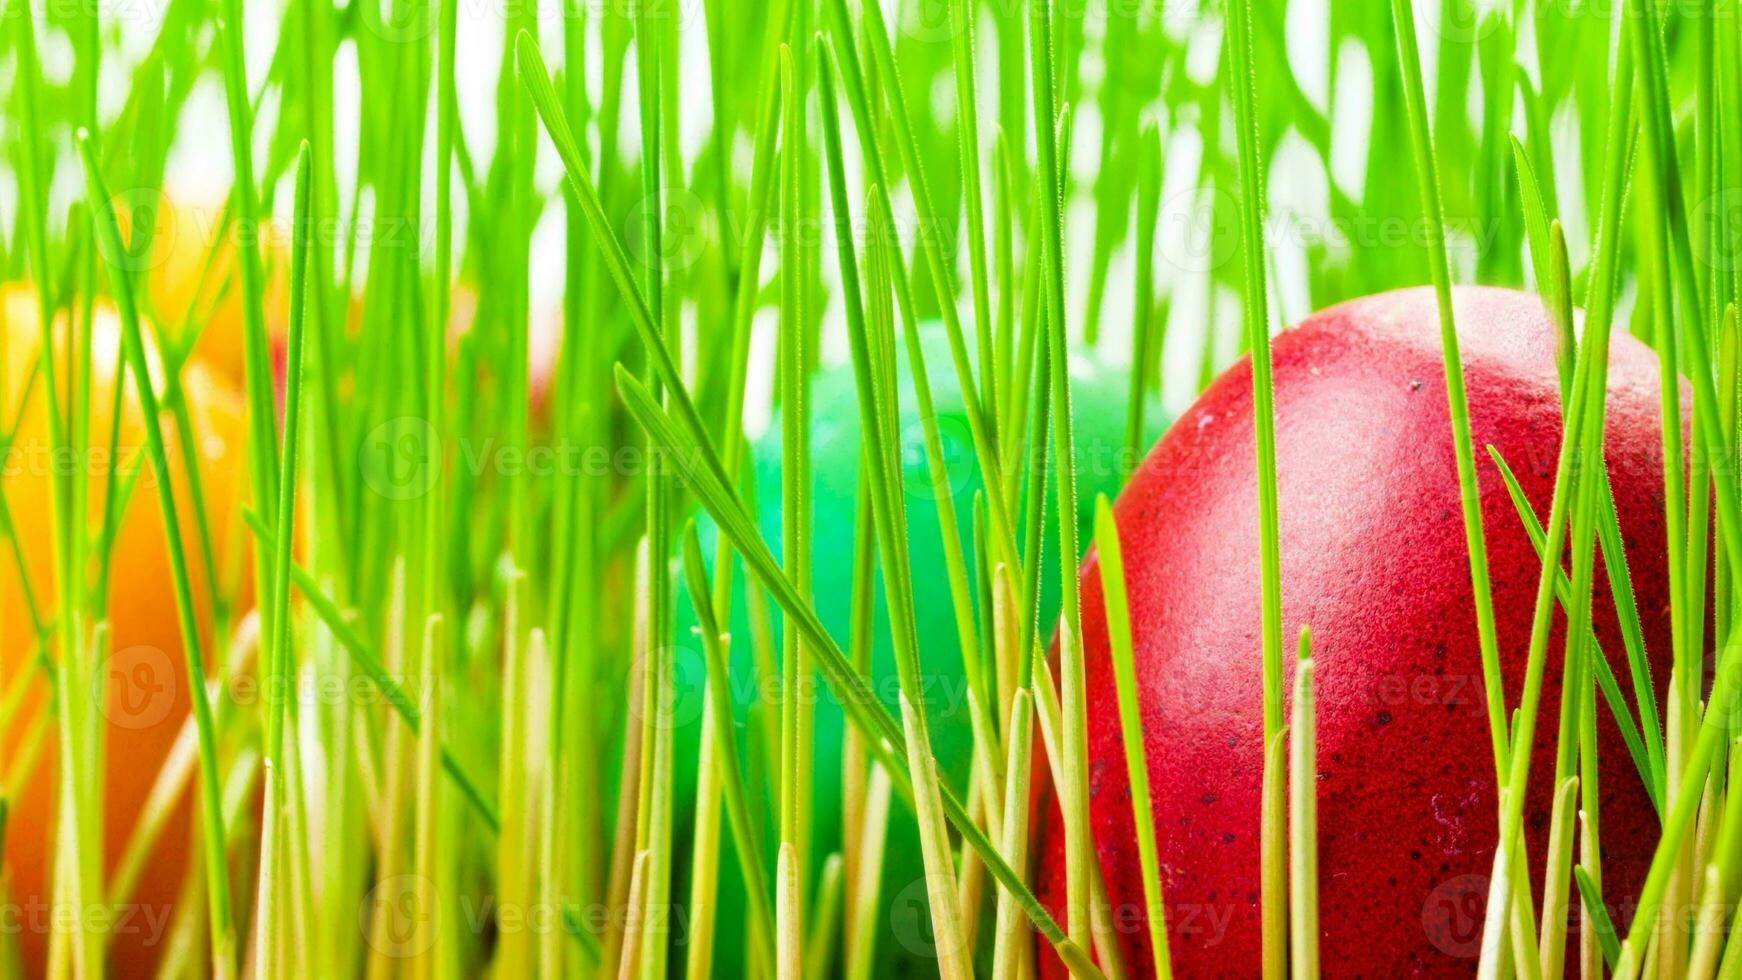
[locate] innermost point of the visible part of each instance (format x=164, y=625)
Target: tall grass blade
x=223, y=937
x=1131, y=729
x=1272, y=830
x=1303, y=827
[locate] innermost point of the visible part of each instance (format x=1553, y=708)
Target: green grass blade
x=211, y=793
x=1536, y=220
x=983, y=426
x=1708, y=927
x=1257, y=318
x=1049, y=222
x=1678, y=820
x=536, y=79
x=867, y=890
x=1649, y=774
x=1273, y=870
x=1660, y=178
x=1012, y=946
x=871, y=330
x=1598, y=915
x=1427, y=175
x=80, y=864
x=1581, y=451
x=1730, y=395
x=746, y=836
x=364, y=656
x=1303, y=824
x=1131, y=728
x=1148, y=329
x=257, y=371
x=277, y=846
x=883, y=736
x=1555, y=877
x=980, y=422
x=794, y=513
x=983, y=434
x=819, y=954
x=1615, y=564
x=428, y=816
x=962, y=37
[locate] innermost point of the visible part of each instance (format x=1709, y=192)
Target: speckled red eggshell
x=1374, y=560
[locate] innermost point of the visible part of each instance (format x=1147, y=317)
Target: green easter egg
x=904, y=945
